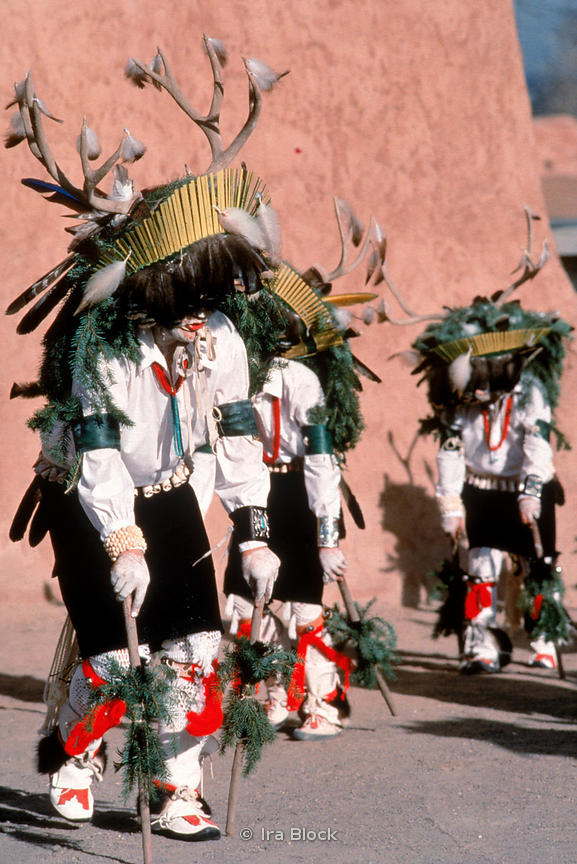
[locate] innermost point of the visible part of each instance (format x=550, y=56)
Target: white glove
x=454, y=526
x=129, y=575
x=333, y=562
x=529, y=508
x=260, y=569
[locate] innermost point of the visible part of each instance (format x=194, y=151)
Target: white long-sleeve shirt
x=522, y=451
x=299, y=390
x=147, y=454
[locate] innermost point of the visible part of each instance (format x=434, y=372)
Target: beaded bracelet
x=123, y=540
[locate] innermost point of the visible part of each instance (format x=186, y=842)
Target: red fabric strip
x=296, y=690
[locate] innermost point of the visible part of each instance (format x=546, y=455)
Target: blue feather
x=59, y=195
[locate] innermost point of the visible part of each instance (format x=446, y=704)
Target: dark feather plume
x=26, y=508
x=40, y=285
x=43, y=307
x=353, y=504
x=362, y=369
x=55, y=193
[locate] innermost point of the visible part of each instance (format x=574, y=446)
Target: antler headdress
x=126, y=231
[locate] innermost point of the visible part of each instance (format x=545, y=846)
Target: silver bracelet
x=327, y=532
x=532, y=485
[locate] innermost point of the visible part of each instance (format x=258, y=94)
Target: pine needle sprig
x=147, y=694
x=341, y=386
x=261, y=324
x=372, y=639
x=552, y=619
x=243, y=667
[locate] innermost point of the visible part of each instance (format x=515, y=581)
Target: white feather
x=269, y=224
x=122, y=187
x=132, y=149
x=102, y=285
x=219, y=49
x=265, y=77
x=235, y=220
x=17, y=126
x=92, y=144
x=460, y=372
x=409, y=358
x=369, y=315
x=343, y=317
x=134, y=73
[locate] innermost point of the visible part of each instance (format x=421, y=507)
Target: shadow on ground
x=22, y=687
x=523, y=741
x=29, y=818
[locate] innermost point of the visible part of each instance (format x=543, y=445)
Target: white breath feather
x=17, y=126
x=235, y=220
x=460, y=372
x=132, y=149
x=102, y=285
x=343, y=317
x=269, y=224
x=264, y=76
x=92, y=144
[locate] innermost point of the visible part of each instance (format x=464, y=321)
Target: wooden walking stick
x=143, y=802
x=255, y=625
x=354, y=617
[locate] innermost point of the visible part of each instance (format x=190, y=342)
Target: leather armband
x=235, y=419
x=251, y=523
x=96, y=432
x=531, y=485
x=317, y=439
x=327, y=532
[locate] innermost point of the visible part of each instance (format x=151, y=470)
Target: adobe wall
x=415, y=112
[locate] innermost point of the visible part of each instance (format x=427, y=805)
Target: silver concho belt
x=497, y=484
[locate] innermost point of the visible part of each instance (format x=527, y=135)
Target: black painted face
x=490, y=378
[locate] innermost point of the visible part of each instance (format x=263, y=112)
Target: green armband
x=235, y=418
x=96, y=432
x=317, y=439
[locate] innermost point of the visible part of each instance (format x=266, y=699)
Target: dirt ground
x=469, y=771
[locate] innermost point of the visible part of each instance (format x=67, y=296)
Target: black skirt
x=492, y=519
x=293, y=536
x=181, y=599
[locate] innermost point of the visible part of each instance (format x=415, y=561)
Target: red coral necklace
x=506, y=425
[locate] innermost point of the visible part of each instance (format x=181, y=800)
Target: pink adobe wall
x=415, y=112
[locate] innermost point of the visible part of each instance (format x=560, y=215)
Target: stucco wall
x=415, y=112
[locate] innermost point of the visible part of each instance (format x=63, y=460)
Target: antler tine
x=530, y=269
x=93, y=176
x=344, y=266
x=210, y=123
x=37, y=141
x=31, y=113
x=384, y=309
